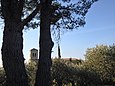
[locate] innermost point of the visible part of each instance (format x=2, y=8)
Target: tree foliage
x=66, y=14
x=101, y=59
x=2, y=77
x=64, y=72
x=31, y=68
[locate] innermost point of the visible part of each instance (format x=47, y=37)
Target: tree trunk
x=43, y=73
x=59, y=83
x=73, y=83
x=12, y=55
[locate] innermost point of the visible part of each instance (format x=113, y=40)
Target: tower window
x=33, y=54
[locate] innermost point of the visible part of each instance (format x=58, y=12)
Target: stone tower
x=33, y=54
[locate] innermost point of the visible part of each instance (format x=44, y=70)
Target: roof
x=70, y=58
x=34, y=49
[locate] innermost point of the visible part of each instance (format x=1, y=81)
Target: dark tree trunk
x=12, y=55
x=73, y=84
x=43, y=73
x=59, y=83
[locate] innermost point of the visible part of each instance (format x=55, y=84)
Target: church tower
x=33, y=54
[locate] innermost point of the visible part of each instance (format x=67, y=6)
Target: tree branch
x=29, y=18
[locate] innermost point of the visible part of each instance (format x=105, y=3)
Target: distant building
x=74, y=60
x=33, y=54
x=34, y=57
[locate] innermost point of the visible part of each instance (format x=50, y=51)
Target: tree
x=12, y=55
x=101, y=59
x=57, y=15
x=53, y=14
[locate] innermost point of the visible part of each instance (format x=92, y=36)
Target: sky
x=99, y=29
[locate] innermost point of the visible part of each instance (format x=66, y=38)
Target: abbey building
x=33, y=54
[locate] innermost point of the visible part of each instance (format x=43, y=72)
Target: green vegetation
x=71, y=74
x=101, y=60
x=2, y=77
x=97, y=69
x=31, y=68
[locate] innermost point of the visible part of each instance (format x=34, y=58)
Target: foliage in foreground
x=62, y=72
x=101, y=59
x=2, y=77
x=98, y=68
x=66, y=73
